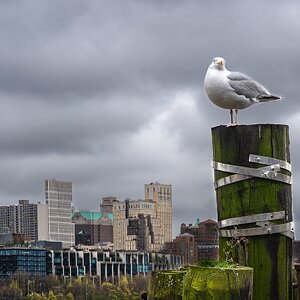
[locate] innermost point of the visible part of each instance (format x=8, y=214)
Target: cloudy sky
x=109, y=94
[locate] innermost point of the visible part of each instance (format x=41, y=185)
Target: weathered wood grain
x=269, y=255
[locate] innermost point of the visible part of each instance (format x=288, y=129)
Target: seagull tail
x=268, y=98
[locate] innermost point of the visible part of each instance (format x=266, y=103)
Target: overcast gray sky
x=109, y=94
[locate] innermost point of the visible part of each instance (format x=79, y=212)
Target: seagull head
x=218, y=63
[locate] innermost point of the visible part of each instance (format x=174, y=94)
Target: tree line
x=21, y=286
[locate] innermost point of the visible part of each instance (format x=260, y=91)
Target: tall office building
x=27, y=218
x=144, y=225
x=59, y=199
x=133, y=226
x=161, y=195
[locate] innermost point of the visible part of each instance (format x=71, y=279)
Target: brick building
x=93, y=227
x=206, y=235
x=183, y=245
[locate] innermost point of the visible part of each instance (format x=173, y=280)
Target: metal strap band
x=269, y=172
x=264, y=229
x=265, y=160
x=260, y=172
x=278, y=215
x=289, y=232
x=238, y=177
x=230, y=179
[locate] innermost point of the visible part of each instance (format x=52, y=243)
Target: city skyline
x=110, y=95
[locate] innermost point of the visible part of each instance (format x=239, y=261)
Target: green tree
x=51, y=282
x=107, y=289
x=60, y=296
x=123, y=291
x=139, y=283
x=70, y=296
x=14, y=289
x=51, y=296
x=36, y=296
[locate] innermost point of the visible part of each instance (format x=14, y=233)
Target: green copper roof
x=197, y=222
x=94, y=215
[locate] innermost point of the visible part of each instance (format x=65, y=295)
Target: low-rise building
x=93, y=228
x=206, y=235
x=110, y=264
x=11, y=239
x=27, y=261
x=101, y=264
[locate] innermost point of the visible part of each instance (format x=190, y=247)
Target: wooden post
x=269, y=254
x=296, y=263
x=217, y=283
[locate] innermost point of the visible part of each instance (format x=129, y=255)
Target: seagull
x=233, y=90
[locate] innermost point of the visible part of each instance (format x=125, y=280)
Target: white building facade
x=58, y=195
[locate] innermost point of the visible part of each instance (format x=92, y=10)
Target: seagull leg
x=236, y=116
x=231, y=117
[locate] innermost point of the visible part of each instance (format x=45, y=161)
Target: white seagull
x=233, y=90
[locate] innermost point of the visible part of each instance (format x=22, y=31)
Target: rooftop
x=94, y=215
x=186, y=234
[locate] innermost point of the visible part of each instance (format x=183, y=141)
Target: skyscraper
x=133, y=229
x=59, y=199
x=144, y=225
x=161, y=195
x=27, y=218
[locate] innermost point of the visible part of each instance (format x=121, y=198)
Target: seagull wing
x=244, y=85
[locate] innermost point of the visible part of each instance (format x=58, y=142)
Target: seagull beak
x=220, y=62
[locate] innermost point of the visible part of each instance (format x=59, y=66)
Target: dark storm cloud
x=109, y=94
x=37, y=127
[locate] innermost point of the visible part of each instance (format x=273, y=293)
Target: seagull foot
x=232, y=124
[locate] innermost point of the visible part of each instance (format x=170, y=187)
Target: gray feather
x=244, y=85
x=238, y=76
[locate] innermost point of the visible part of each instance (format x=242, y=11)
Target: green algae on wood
x=166, y=285
x=269, y=255
x=214, y=283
